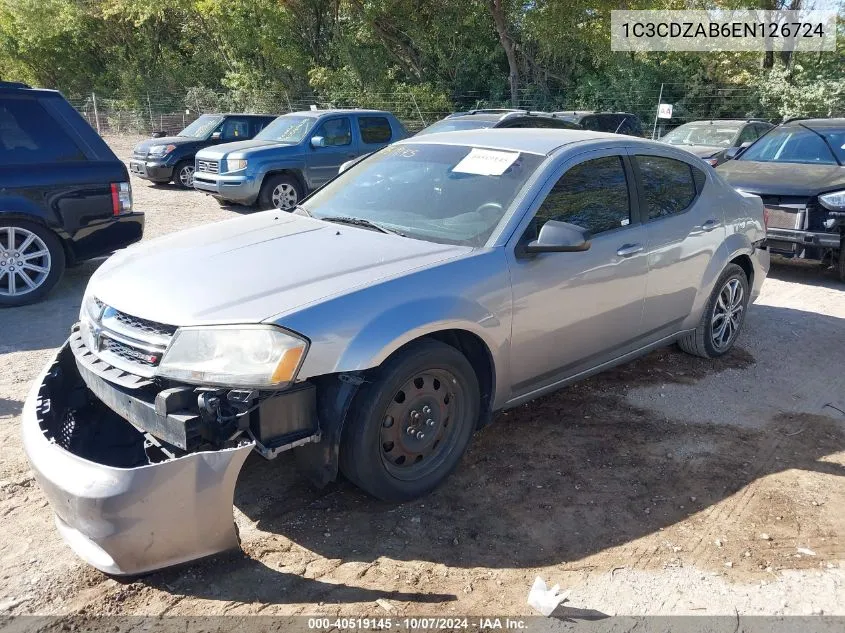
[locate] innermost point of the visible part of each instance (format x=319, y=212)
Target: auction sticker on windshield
x=485, y=162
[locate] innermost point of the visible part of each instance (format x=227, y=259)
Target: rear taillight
x=121, y=197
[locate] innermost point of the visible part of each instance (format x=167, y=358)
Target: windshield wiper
x=826, y=142
x=340, y=219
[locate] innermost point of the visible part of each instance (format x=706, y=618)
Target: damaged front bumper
x=122, y=504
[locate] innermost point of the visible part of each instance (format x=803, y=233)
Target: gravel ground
x=671, y=485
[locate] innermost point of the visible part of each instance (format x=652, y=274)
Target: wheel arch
x=285, y=171
x=38, y=220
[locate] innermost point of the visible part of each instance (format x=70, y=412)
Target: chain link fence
x=170, y=112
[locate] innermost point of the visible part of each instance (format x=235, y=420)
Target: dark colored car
x=64, y=196
x=712, y=140
x=797, y=169
x=615, y=122
x=505, y=118
x=162, y=159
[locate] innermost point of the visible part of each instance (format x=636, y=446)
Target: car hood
x=245, y=149
x=144, y=146
x=250, y=269
x=782, y=179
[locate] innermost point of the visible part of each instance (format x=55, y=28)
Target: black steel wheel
x=410, y=426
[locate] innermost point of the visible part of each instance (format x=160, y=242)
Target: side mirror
x=318, y=141
x=216, y=136
x=559, y=237
x=733, y=152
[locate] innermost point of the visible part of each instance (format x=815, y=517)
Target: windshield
x=287, y=129
x=713, y=134
x=451, y=194
x=796, y=144
x=453, y=125
x=202, y=127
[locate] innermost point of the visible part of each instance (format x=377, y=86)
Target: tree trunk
x=499, y=17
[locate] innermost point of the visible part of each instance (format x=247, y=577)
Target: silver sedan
x=376, y=327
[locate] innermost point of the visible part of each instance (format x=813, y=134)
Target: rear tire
x=282, y=192
x=32, y=260
x=722, y=317
x=410, y=425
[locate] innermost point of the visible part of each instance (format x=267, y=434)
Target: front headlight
x=835, y=201
x=235, y=164
x=258, y=356
x=161, y=150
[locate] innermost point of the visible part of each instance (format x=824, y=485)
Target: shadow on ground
x=9, y=408
x=810, y=273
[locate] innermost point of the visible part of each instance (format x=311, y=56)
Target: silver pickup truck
x=377, y=326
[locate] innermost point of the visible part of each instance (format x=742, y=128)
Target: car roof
x=715, y=121
x=541, y=141
x=500, y=114
x=243, y=114
x=318, y=113
x=817, y=123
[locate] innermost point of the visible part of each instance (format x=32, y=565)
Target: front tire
x=409, y=427
x=32, y=261
x=282, y=192
x=840, y=266
x=722, y=318
x=183, y=174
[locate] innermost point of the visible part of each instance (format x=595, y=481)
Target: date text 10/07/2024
x=417, y=624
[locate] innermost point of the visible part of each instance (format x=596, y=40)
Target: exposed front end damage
x=124, y=503
x=141, y=469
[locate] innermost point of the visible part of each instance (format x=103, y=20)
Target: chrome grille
x=143, y=325
x=128, y=352
x=130, y=344
x=208, y=166
x=139, y=155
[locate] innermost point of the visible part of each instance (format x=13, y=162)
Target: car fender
x=734, y=245
x=21, y=208
x=296, y=167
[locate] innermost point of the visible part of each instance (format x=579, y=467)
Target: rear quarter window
x=30, y=135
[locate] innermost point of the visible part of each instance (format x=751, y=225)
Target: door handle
x=626, y=250
x=710, y=225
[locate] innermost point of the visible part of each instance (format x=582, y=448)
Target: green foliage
x=420, y=58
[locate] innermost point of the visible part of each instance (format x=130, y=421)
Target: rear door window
x=29, y=135
x=374, y=129
x=669, y=185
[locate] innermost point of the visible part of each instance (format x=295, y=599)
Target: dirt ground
x=671, y=485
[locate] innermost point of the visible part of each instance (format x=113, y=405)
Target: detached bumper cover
x=122, y=520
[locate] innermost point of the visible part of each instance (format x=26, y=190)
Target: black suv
x=797, y=169
x=615, y=122
x=478, y=119
x=64, y=196
x=162, y=159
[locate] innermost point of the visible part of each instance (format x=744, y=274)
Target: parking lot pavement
x=669, y=485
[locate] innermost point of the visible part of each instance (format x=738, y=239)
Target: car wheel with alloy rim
x=32, y=260
x=409, y=426
x=281, y=192
x=722, y=317
x=184, y=175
